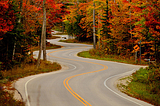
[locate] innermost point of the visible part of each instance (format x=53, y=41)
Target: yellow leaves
x=157, y=26
x=99, y=4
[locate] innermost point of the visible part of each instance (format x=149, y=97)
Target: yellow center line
x=65, y=82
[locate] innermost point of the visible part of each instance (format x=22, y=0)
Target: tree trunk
x=44, y=30
x=40, y=51
x=94, y=36
x=43, y=38
x=14, y=48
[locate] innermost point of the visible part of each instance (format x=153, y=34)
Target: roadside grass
x=144, y=84
x=48, y=46
x=115, y=58
x=6, y=98
x=20, y=71
x=28, y=69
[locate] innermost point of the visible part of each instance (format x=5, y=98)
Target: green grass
x=115, y=58
x=145, y=85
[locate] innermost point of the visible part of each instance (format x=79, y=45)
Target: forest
x=129, y=28
x=21, y=27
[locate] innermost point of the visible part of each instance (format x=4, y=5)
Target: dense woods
x=21, y=27
x=127, y=29
x=123, y=27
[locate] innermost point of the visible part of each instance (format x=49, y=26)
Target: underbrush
x=6, y=99
x=145, y=85
x=20, y=71
x=29, y=69
x=101, y=55
x=16, y=69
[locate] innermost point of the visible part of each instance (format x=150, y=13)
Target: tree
x=43, y=37
x=7, y=17
x=50, y=18
x=147, y=27
x=20, y=24
x=107, y=38
x=8, y=42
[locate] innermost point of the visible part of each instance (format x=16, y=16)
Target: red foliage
x=55, y=12
x=152, y=19
x=7, y=17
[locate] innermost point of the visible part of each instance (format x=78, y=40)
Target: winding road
x=80, y=82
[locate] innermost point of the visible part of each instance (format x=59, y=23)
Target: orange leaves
x=33, y=14
x=158, y=27
x=150, y=15
x=7, y=17
x=120, y=20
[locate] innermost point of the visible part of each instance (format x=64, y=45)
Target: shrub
x=150, y=80
x=6, y=99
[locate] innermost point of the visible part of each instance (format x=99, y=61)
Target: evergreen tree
x=108, y=42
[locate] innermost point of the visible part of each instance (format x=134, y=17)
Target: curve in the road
x=68, y=79
x=116, y=92
x=65, y=82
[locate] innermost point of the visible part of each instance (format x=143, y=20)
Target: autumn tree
x=72, y=22
x=21, y=23
x=82, y=18
x=43, y=37
x=107, y=39
x=147, y=27
x=10, y=14
x=7, y=17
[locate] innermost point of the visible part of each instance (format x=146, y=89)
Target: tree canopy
x=21, y=25
x=120, y=25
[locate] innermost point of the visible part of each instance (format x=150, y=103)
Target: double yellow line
x=65, y=82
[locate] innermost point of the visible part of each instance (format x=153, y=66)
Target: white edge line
x=27, y=97
x=73, y=66
x=116, y=92
x=26, y=90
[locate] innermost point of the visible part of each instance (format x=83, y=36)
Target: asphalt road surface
x=81, y=81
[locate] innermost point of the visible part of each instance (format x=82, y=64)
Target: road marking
x=65, y=82
x=116, y=92
x=27, y=96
